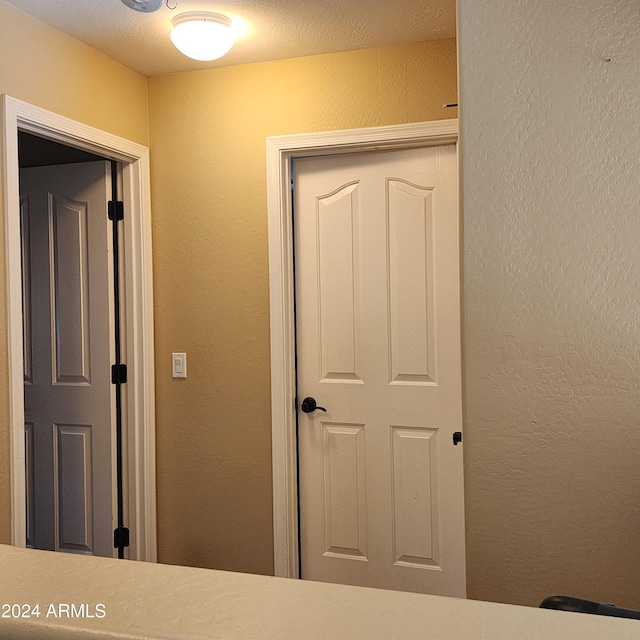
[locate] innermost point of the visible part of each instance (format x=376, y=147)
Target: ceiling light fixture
x=202, y=35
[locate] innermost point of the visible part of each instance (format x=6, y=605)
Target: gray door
x=68, y=312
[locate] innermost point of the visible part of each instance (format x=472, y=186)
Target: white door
x=68, y=342
x=378, y=346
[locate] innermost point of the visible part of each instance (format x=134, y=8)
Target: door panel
x=378, y=341
x=415, y=497
x=410, y=282
x=68, y=332
x=73, y=483
x=70, y=291
x=29, y=477
x=27, y=343
x=337, y=216
x=345, y=509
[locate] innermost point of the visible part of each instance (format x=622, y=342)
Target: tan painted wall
x=207, y=133
x=46, y=68
x=552, y=298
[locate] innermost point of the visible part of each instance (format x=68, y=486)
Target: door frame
x=139, y=401
x=281, y=150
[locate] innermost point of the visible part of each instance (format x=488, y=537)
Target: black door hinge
x=457, y=437
x=120, y=537
x=116, y=210
x=118, y=373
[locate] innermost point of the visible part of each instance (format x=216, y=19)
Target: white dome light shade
x=202, y=35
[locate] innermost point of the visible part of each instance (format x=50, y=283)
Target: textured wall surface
x=50, y=70
x=550, y=92
x=208, y=132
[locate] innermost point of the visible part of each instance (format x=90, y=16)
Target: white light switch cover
x=179, y=365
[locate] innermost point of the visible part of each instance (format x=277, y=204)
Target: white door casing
x=137, y=314
x=68, y=314
x=280, y=151
x=378, y=345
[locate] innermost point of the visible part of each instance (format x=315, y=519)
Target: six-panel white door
x=68, y=342
x=378, y=346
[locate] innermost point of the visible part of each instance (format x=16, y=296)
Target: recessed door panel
x=344, y=490
x=29, y=483
x=410, y=295
x=74, y=488
x=69, y=290
x=337, y=251
x=27, y=339
x=415, y=497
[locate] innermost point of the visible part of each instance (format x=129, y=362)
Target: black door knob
x=309, y=405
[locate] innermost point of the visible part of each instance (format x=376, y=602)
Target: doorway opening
x=71, y=141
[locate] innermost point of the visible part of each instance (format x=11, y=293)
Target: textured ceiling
x=273, y=29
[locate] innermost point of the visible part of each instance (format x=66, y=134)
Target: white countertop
x=141, y=600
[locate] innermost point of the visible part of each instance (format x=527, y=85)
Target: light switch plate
x=179, y=365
